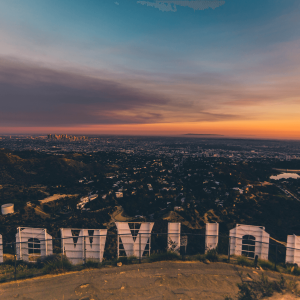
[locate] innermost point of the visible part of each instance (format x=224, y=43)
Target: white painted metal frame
x=211, y=236
x=88, y=245
x=132, y=247
x=174, y=232
x=23, y=236
x=261, y=240
x=293, y=250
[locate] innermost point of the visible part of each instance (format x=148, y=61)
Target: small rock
x=119, y=264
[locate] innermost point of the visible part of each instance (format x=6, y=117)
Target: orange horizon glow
x=251, y=129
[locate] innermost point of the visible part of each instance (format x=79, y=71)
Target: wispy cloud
x=34, y=95
x=171, y=5
x=31, y=95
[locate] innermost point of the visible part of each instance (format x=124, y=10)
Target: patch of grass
x=280, y=285
x=212, y=255
x=164, y=256
x=9, y=262
x=92, y=264
x=56, y=264
x=127, y=260
x=265, y=287
x=262, y=288
x=244, y=261
x=293, y=269
x=200, y=257
x=266, y=264
x=292, y=286
x=24, y=270
x=246, y=292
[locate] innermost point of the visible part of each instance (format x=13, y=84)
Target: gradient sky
x=150, y=67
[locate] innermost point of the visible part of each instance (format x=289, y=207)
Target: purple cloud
x=31, y=95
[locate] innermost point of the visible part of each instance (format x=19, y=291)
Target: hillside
x=153, y=189
x=160, y=280
x=39, y=169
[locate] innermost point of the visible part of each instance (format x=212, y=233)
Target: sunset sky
x=150, y=67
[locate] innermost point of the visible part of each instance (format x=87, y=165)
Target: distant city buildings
x=178, y=148
x=66, y=137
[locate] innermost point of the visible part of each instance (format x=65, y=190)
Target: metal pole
x=276, y=258
x=183, y=252
x=62, y=247
x=229, y=250
x=140, y=257
x=118, y=250
x=84, y=251
x=20, y=243
x=15, y=258
x=46, y=242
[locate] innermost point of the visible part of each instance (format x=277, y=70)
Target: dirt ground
x=155, y=281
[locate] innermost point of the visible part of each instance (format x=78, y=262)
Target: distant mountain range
x=203, y=134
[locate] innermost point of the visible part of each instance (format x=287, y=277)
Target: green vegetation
x=244, y=261
x=263, y=287
x=55, y=264
x=127, y=260
x=266, y=264
x=212, y=255
x=164, y=256
x=293, y=270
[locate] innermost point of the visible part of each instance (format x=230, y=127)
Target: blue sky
x=227, y=63
x=140, y=36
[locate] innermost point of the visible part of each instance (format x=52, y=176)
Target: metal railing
x=81, y=250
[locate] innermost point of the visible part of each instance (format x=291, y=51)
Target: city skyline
x=140, y=68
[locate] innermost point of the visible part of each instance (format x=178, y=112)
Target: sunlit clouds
x=230, y=69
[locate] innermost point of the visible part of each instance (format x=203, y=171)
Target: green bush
x=56, y=264
x=244, y=261
x=246, y=292
x=127, y=260
x=265, y=264
x=9, y=262
x=262, y=288
x=212, y=255
x=280, y=285
x=293, y=269
x=164, y=256
x=92, y=264
x=265, y=287
x=200, y=257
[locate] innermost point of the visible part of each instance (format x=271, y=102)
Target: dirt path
x=119, y=216
x=155, y=281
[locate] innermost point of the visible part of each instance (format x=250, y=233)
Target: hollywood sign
x=134, y=239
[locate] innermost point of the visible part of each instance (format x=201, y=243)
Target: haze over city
x=152, y=67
